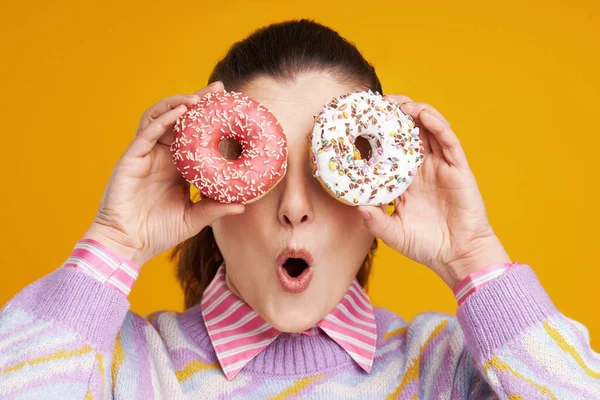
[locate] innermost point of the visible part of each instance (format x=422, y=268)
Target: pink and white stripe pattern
x=238, y=333
x=478, y=279
x=95, y=259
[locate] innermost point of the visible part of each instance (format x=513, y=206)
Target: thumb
x=381, y=225
x=206, y=211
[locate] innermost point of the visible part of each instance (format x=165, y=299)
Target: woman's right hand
x=146, y=207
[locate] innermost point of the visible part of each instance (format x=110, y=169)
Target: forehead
x=295, y=102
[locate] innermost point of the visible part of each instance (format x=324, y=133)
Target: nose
x=296, y=206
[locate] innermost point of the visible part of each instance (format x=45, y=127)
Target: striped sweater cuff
x=96, y=260
x=475, y=281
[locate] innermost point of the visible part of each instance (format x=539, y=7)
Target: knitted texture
x=68, y=336
x=238, y=333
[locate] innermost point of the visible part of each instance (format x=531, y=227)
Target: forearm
x=522, y=344
x=61, y=328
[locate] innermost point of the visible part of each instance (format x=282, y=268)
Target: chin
x=291, y=320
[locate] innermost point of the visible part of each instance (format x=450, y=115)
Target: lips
x=294, y=269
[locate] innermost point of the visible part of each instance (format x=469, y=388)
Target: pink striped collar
x=238, y=333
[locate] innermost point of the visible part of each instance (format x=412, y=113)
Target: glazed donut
x=261, y=164
x=397, y=150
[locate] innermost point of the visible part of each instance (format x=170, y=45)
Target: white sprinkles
x=222, y=115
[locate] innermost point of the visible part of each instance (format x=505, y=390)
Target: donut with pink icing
x=261, y=164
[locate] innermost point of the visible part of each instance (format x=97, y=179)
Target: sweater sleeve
x=521, y=346
x=57, y=337
x=99, y=262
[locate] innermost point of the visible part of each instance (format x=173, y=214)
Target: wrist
x=111, y=240
x=483, y=253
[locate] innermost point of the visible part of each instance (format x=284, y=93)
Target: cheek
x=350, y=235
x=231, y=234
x=347, y=219
x=225, y=229
x=240, y=236
x=235, y=226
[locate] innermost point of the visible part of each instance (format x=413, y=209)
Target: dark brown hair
x=280, y=51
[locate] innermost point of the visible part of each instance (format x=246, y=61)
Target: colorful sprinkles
x=221, y=115
x=394, y=138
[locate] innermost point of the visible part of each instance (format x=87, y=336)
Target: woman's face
x=297, y=214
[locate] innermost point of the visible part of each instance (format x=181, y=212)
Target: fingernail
x=181, y=108
x=210, y=87
x=215, y=84
x=365, y=214
x=396, y=96
x=238, y=210
x=404, y=106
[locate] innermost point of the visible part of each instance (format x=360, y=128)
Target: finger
x=446, y=139
x=143, y=143
x=401, y=99
x=216, y=86
x=425, y=138
x=414, y=108
x=169, y=136
x=398, y=98
x=206, y=211
x=165, y=105
x=381, y=225
x=429, y=141
x=436, y=149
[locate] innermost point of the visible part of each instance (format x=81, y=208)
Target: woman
x=246, y=333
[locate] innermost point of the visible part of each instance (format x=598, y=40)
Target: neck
x=288, y=355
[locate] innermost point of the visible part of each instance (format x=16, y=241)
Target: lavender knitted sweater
x=68, y=336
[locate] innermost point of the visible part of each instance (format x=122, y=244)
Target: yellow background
x=517, y=80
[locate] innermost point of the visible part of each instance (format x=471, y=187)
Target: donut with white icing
x=397, y=150
x=261, y=164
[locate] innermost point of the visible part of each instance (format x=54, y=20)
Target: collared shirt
x=238, y=333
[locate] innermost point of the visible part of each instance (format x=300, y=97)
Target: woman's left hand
x=440, y=220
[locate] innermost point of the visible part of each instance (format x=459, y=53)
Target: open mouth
x=294, y=266
x=294, y=269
